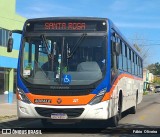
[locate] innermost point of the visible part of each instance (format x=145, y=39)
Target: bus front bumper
x=91, y=112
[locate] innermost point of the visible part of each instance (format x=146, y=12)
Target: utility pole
x=139, y=43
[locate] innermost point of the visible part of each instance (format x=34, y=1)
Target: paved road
x=147, y=116
x=148, y=112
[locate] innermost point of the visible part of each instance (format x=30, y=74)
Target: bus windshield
x=61, y=60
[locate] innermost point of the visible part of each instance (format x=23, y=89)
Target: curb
x=8, y=118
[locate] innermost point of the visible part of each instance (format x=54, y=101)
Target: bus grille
x=71, y=112
x=67, y=92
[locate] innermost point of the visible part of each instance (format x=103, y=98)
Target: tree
x=154, y=68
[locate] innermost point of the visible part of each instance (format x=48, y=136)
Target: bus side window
x=133, y=63
x=126, y=60
x=124, y=57
x=135, y=57
x=112, y=54
x=120, y=61
x=114, y=57
x=129, y=60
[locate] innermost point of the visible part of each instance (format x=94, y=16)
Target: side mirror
x=10, y=40
x=10, y=45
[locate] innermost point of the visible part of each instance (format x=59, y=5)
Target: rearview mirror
x=10, y=45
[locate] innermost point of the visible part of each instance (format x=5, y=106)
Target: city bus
x=76, y=69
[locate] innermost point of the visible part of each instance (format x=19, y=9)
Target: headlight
x=22, y=96
x=98, y=97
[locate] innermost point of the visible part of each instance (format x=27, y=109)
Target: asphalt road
x=147, y=116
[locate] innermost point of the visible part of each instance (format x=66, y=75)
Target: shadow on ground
x=85, y=127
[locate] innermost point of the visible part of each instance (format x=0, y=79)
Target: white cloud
x=45, y=10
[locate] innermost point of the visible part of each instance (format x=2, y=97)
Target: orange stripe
x=107, y=96
x=77, y=100
x=66, y=100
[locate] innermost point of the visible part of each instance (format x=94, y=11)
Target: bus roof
x=66, y=18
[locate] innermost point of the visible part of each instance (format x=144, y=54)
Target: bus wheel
x=119, y=113
x=134, y=108
x=115, y=119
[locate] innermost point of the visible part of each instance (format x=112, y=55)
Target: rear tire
x=134, y=108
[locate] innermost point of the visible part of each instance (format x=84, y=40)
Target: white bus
x=76, y=69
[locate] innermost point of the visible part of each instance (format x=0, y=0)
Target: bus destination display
x=66, y=26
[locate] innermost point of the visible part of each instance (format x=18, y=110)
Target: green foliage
x=156, y=80
x=29, y=66
x=154, y=68
x=145, y=93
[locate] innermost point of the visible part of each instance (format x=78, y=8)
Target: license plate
x=59, y=116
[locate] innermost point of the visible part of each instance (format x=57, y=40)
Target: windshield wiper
x=76, y=45
x=46, y=46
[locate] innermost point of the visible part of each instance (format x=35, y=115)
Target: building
x=148, y=79
x=9, y=20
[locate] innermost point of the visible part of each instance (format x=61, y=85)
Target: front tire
x=115, y=119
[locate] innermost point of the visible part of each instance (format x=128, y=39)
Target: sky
x=138, y=20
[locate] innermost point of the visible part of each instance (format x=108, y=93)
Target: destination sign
x=64, y=26
x=54, y=26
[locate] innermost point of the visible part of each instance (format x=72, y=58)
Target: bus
x=76, y=68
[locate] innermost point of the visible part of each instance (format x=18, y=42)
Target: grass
x=145, y=93
x=6, y=117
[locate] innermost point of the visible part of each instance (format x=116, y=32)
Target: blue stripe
x=20, y=84
x=16, y=41
x=8, y=62
x=106, y=82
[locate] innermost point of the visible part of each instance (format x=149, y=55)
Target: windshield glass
x=73, y=60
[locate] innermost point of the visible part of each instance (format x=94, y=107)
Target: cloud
x=44, y=9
